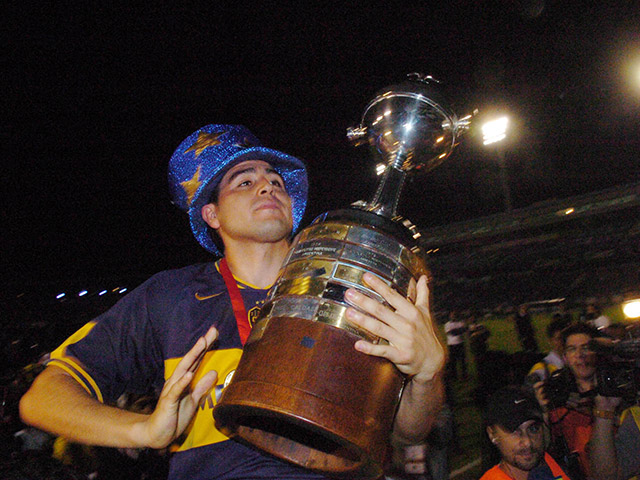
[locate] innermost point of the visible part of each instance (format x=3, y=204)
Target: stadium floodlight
x=494, y=130
x=631, y=309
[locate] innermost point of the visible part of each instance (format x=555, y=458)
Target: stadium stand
x=575, y=248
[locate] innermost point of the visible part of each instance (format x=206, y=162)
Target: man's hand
x=177, y=404
x=607, y=403
x=413, y=346
x=541, y=396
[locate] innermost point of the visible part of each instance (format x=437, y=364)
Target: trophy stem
x=385, y=200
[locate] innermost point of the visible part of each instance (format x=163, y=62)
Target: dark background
x=96, y=97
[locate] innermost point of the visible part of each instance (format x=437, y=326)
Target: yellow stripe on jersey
x=635, y=413
x=69, y=364
x=79, y=375
x=241, y=283
x=202, y=430
x=60, y=352
x=541, y=366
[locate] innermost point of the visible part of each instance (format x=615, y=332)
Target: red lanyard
x=244, y=328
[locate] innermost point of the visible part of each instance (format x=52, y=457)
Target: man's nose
x=265, y=186
x=525, y=440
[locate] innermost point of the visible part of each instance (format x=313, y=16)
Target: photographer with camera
x=567, y=397
x=614, y=449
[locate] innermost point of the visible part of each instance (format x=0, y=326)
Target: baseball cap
x=510, y=407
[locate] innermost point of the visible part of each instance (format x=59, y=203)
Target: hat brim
x=291, y=169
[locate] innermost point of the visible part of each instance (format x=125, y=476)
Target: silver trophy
x=301, y=391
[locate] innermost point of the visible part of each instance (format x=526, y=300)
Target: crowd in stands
x=576, y=260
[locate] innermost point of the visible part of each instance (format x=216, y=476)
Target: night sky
x=96, y=97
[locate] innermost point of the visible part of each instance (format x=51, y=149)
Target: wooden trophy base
x=303, y=393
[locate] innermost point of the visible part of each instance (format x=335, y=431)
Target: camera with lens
x=557, y=387
x=618, y=369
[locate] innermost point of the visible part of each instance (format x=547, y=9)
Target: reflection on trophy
x=301, y=391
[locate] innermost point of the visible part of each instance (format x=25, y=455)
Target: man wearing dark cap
x=181, y=333
x=515, y=426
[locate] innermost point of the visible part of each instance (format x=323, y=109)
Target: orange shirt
x=496, y=473
x=576, y=428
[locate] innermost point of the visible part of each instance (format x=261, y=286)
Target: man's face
x=579, y=357
x=523, y=448
x=253, y=205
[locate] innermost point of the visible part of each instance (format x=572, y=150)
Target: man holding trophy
x=182, y=332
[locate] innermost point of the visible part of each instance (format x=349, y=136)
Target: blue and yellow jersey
x=136, y=345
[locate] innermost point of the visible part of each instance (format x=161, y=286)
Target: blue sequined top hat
x=202, y=159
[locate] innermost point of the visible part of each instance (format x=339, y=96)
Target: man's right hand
x=177, y=404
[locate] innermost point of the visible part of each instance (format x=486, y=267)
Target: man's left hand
x=413, y=345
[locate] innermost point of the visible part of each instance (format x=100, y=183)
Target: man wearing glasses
x=571, y=418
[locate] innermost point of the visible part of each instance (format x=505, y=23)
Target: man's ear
x=210, y=215
x=491, y=432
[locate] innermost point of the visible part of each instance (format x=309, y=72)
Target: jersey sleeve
x=117, y=352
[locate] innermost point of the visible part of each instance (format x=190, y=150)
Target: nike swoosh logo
x=206, y=297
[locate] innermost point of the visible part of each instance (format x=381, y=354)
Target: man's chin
x=528, y=462
x=273, y=231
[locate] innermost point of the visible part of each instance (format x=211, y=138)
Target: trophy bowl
x=301, y=391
